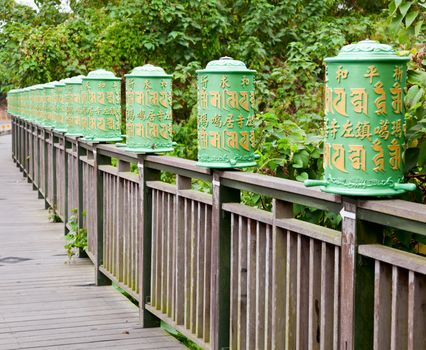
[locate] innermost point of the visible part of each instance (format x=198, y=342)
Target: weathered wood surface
x=46, y=303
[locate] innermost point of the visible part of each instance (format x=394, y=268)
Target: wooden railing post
x=145, y=228
x=280, y=337
x=67, y=145
x=46, y=167
x=100, y=278
x=182, y=183
x=220, y=263
x=357, y=280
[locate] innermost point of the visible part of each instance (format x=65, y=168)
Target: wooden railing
x=225, y=274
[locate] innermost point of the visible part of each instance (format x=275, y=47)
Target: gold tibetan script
x=339, y=102
x=395, y=154
x=357, y=157
x=380, y=101
x=338, y=158
x=378, y=159
x=396, y=92
x=359, y=100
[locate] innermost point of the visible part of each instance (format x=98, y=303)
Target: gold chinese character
x=217, y=121
x=357, y=157
x=396, y=128
x=224, y=83
x=372, y=72
x=339, y=102
x=250, y=120
x=397, y=73
x=395, y=154
x=382, y=130
x=147, y=84
x=334, y=127
x=338, y=158
x=229, y=122
x=130, y=84
x=347, y=130
x=325, y=127
x=245, y=81
x=363, y=131
x=380, y=101
x=203, y=121
x=204, y=81
x=378, y=159
x=396, y=92
x=163, y=84
x=341, y=74
x=359, y=100
x=240, y=121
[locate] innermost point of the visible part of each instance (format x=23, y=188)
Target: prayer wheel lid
x=50, y=85
x=226, y=65
x=367, y=50
x=101, y=74
x=148, y=70
x=75, y=80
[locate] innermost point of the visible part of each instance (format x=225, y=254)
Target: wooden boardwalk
x=46, y=303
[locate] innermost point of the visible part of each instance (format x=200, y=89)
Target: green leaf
x=418, y=28
x=414, y=94
x=302, y=177
x=411, y=157
x=409, y=19
x=404, y=8
x=422, y=155
x=417, y=78
x=397, y=3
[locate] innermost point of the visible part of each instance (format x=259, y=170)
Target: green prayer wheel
x=50, y=104
x=73, y=106
x=59, y=124
x=364, y=122
x=149, y=110
x=102, y=98
x=225, y=119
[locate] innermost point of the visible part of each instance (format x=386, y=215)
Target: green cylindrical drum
x=50, y=109
x=149, y=110
x=73, y=106
x=103, y=106
x=225, y=115
x=364, y=122
x=59, y=124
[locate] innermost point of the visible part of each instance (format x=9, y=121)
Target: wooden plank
x=394, y=257
x=50, y=304
x=399, y=313
x=382, y=305
x=416, y=313
x=302, y=292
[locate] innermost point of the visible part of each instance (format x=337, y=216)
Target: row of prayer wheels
x=364, y=115
x=90, y=107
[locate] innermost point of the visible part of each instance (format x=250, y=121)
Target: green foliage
x=406, y=20
x=76, y=238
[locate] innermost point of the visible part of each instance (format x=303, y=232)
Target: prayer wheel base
x=363, y=192
x=226, y=165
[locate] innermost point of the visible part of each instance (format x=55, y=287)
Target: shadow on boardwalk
x=46, y=303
